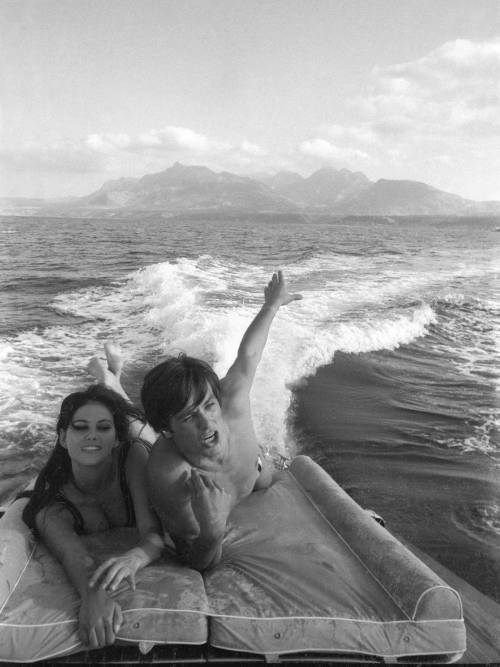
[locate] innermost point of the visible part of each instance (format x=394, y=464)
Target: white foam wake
x=202, y=307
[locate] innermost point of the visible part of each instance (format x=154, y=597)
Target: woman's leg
x=110, y=376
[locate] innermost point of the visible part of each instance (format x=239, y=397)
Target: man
x=207, y=457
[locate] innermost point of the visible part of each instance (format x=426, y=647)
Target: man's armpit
x=235, y=385
x=236, y=406
x=184, y=547
x=179, y=522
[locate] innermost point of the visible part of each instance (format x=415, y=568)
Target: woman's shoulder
x=136, y=454
x=143, y=431
x=138, y=446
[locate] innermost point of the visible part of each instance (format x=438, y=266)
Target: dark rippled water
x=387, y=373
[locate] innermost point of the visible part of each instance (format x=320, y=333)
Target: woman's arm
x=151, y=544
x=100, y=617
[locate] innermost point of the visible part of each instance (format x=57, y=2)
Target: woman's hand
x=113, y=571
x=100, y=619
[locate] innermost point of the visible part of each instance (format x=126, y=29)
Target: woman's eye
x=104, y=428
x=79, y=427
x=187, y=418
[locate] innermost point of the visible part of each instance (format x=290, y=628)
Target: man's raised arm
x=255, y=337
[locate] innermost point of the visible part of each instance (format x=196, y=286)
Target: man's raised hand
x=276, y=293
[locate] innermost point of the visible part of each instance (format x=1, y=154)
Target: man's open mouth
x=210, y=438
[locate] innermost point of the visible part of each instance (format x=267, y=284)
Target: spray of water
x=202, y=307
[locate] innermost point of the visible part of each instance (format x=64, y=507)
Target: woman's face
x=91, y=435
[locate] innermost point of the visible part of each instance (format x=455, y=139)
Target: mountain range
x=182, y=189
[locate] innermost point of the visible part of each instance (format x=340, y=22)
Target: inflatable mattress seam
x=364, y=621
x=37, y=625
x=157, y=641
x=445, y=587
x=163, y=610
x=19, y=577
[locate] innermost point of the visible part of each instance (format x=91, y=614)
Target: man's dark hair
x=168, y=387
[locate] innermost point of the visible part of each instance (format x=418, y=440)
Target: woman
x=95, y=480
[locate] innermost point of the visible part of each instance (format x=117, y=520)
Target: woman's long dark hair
x=57, y=471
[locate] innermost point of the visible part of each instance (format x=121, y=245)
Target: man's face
x=199, y=431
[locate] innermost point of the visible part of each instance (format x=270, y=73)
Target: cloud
x=437, y=118
x=455, y=88
x=106, y=143
x=252, y=149
x=325, y=150
x=103, y=156
x=110, y=152
x=179, y=138
x=167, y=140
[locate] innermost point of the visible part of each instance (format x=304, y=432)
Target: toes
x=96, y=368
x=114, y=357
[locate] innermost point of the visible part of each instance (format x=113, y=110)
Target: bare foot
x=114, y=357
x=98, y=369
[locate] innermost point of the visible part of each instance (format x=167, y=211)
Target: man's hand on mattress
x=110, y=574
x=100, y=619
x=210, y=504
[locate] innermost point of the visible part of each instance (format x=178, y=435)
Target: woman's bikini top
x=78, y=522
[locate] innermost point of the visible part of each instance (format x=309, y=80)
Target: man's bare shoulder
x=165, y=462
x=167, y=473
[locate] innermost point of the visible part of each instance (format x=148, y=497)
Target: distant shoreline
x=211, y=214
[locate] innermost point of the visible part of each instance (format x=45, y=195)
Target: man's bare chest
x=236, y=475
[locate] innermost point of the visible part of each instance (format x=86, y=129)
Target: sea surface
x=387, y=373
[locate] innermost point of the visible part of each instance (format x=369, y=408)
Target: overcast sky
x=98, y=89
